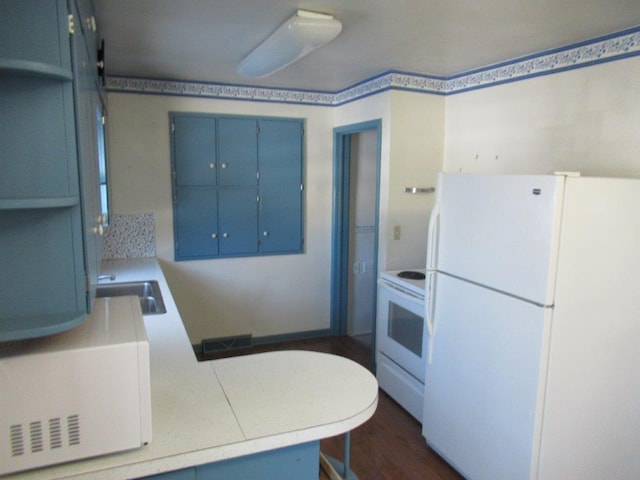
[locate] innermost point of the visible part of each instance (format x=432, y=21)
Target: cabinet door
x=195, y=223
x=237, y=151
x=281, y=194
x=238, y=217
x=194, y=150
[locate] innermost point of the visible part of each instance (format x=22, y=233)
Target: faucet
x=109, y=276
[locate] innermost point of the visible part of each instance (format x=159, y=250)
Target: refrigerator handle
x=432, y=264
x=429, y=311
x=432, y=237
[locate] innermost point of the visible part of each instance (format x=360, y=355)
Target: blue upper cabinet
x=237, y=185
x=196, y=222
x=194, y=144
x=238, y=151
x=281, y=186
x=49, y=216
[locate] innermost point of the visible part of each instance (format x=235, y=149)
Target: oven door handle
x=402, y=293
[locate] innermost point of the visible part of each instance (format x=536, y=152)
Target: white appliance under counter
x=205, y=412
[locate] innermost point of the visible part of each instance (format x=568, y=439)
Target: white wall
x=411, y=155
x=222, y=297
x=585, y=120
x=417, y=150
x=277, y=294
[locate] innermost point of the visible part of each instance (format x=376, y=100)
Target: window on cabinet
x=102, y=164
x=237, y=185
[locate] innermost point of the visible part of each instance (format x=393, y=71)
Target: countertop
x=205, y=412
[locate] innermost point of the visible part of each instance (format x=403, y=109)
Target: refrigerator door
x=500, y=231
x=483, y=386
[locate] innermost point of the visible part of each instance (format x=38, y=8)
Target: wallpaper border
x=608, y=48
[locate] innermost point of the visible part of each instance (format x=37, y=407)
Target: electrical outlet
x=396, y=232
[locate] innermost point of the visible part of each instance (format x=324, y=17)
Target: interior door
x=482, y=385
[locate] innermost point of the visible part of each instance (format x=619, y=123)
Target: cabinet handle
x=214, y=235
x=99, y=230
x=225, y=235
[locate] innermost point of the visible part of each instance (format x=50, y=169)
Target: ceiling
x=204, y=40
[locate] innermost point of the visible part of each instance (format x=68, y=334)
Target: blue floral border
x=603, y=49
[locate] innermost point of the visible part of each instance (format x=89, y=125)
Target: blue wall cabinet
x=280, y=186
x=237, y=185
x=238, y=216
x=238, y=147
x=50, y=212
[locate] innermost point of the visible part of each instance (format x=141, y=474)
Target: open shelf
x=37, y=203
x=26, y=68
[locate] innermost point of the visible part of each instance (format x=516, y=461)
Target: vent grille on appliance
x=36, y=441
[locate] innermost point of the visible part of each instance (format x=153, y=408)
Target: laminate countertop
x=204, y=412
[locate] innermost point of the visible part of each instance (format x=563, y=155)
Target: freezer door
x=501, y=231
x=483, y=386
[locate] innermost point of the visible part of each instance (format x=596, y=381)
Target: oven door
x=401, y=329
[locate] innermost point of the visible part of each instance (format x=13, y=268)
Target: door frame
x=340, y=222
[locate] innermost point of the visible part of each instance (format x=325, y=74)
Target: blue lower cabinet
x=299, y=462
x=186, y=474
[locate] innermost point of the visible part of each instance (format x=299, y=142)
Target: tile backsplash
x=130, y=236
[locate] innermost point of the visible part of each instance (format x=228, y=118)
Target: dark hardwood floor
x=390, y=445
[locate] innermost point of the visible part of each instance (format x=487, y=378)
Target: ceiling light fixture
x=298, y=36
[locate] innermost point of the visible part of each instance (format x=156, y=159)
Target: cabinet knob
x=225, y=235
x=98, y=230
x=224, y=165
x=214, y=235
x=212, y=165
x=265, y=233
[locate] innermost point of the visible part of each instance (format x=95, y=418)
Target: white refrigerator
x=533, y=311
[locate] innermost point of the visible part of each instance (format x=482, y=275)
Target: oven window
x=405, y=328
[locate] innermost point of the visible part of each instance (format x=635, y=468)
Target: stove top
x=411, y=282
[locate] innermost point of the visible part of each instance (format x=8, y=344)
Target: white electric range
x=401, y=337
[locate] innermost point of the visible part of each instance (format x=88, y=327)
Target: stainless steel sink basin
x=148, y=291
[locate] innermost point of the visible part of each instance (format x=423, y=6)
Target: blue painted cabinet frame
x=237, y=185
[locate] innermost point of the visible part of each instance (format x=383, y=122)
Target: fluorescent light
x=300, y=35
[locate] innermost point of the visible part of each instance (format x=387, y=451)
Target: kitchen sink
x=147, y=291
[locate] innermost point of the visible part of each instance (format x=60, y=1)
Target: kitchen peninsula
x=232, y=416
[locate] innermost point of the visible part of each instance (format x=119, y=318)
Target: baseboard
x=288, y=337
x=283, y=337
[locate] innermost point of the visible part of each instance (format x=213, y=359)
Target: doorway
x=355, y=231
